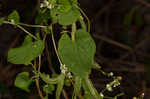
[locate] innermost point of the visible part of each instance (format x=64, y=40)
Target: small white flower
x=12, y=21
x=108, y=87
x=134, y=98
x=46, y=2
x=41, y=5
x=63, y=71
x=63, y=68
x=69, y=75
x=111, y=74
x=50, y=6
x=101, y=94
x=116, y=83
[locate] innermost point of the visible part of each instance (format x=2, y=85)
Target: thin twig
x=88, y=20
x=144, y=3
x=101, y=11
x=136, y=48
x=113, y=42
x=26, y=32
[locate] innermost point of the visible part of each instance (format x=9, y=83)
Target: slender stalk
x=35, y=26
x=55, y=46
x=27, y=25
x=73, y=32
x=37, y=82
x=89, y=24
x=26, y=32
x=38, y=88
x=7, y=22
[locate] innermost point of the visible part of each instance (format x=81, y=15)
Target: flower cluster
x=101, y=95
x=112, y=84
x=64, y=70
x=46, y=4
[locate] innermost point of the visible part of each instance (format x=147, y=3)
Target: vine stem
x=89, y=24
x=73, y=32
x=27, y=32
x=34, y=26
x=37, y=80
x=27, y=25
x=63, y=91
x=55, y=46
x=6, y=22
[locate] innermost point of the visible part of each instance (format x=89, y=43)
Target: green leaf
x=48, y=89
x=46, y=97
x=53, y=2
x=69, y=17
x=74, y=2
x=83, y=25
x=53, y=14
x=27, y=52
x=14, y=16
x=77, y=56
x=27, y=40
x=46, y=78
x=67, y=83
x=23, y=81
x=90, y=89
x=64, y=5
x=43, y=18
x=1, y=21
x=77, y=85
x=128, y=19
x=60, y=84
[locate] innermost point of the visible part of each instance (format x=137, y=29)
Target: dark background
x=122, y=39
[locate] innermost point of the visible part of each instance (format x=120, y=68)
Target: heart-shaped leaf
x=48, y=88
x=23, y=81
x=27, y=52
x=69, y=17
x=15, y=17
x=78, y=55
x=64, y=5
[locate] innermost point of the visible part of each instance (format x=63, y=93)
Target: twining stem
x=63, y=91
x=73, y=32
x=89, y=24
x=27, y=32
x=39, y=67
x=55, y=46
x=7, y=22
x=38, y=88
x=37, y=81
x=34, y=26
x=82, y=23
x=27, y=25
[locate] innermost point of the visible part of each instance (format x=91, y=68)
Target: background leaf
x=1, y=20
